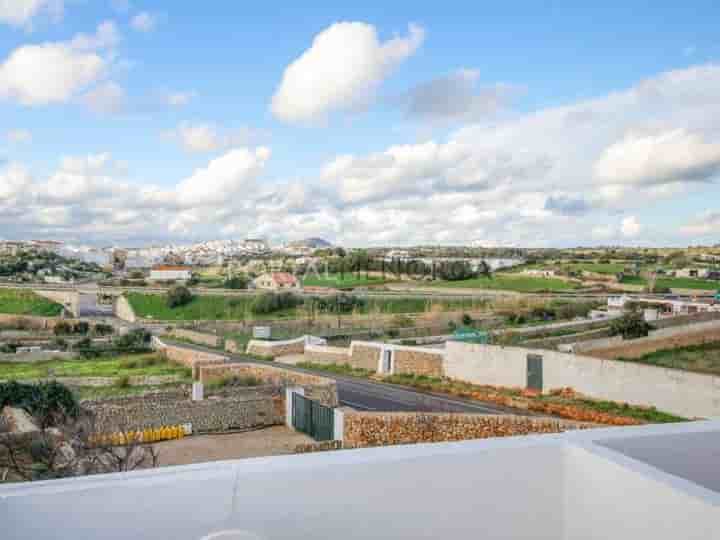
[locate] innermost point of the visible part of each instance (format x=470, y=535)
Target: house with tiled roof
x=276, y=281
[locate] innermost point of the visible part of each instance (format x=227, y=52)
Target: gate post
x=289, y=391
x=339, y=425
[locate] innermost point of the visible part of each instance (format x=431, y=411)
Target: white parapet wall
x=683, y=393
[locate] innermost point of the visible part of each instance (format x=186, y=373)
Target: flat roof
x=692, y=456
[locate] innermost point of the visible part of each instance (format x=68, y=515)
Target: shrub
x=236, y=282
x=271, y=302
x=47, y=402
x=135, y=340
x=62, y=328
x=177, y=296
x=103, y=329
x=122, y=382
x=467, y=320
x=630, y=326
x=81, y=327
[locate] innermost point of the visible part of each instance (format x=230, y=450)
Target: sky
x=529, y=124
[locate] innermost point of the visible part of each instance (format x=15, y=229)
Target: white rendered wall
x=671, y=390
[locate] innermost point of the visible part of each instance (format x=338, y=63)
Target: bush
x=104, y=329
x=60, y=344
x=467, y=320
x=135, y=340
x=630, y=326
x=236, y=282
x=122, y=382
x=62, y=328
x=81, y=328
x=47, y=402
x=177, y=296
x=271, y=302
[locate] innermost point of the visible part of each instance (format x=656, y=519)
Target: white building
x=658, y=482
x=276, y=281
x=170, y=273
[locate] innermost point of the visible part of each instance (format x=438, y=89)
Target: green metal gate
x=535, y=372
x=312, y=418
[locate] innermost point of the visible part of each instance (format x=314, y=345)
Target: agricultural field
x=704, y=358
x=26, y=302
x=239, y=307
x=343, y=281
x=511, y=282
x=675, y=283
x=112, y=366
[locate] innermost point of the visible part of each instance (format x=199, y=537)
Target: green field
x=154, y=306
x=703, y=358
x=675, y=283
x=342, y=281
x=25, y=302
x=117, y=366
x=511, y=282
x=215, y=308
x=598, y=268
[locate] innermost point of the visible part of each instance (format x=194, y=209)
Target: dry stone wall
x=318, y=388
x=273, y=349
x=248, y=408
x=188, y=357
x=319, y=354
x=363, y=429
x=408, y=361
x=365, y=356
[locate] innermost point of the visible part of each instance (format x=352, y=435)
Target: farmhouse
x=275, y=281
x=170, y=273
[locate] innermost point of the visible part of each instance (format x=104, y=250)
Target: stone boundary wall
x=187, y=357
x=272, y=349
x=365, y=355
x=99, y=382
x=408, y=361
x=362, y=429
x=28, y=321
x=196, y=337
x=657, y=339
x=320, y=354
x=123, y=310
x=683, y=393
x=248, y=408
x=33, y=357
x=317, y=388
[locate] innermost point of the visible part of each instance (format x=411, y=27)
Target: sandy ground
x=271, y=441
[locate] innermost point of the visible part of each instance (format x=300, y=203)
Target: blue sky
x=520, y=123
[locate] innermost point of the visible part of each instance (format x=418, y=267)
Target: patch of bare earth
x=272, y=441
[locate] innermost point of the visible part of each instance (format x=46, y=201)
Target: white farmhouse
x=170, y=273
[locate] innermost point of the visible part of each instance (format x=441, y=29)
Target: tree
x=236, y=282
x=178, y=295
x=630, y=326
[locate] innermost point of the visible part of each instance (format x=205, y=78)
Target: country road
x=365, y=395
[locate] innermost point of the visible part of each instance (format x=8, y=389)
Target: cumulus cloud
x=210, y=138
x=340, y=71
x=528, y=179
x=456, y=97
x=20, y=13
x=18, y=136
x=659, y=158
x=144, y=22
x=55, y=72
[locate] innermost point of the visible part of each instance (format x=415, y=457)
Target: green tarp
x=470, y=335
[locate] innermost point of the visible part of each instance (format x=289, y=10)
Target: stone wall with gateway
x=361, y=429
x=317, y=388
x=247, y=408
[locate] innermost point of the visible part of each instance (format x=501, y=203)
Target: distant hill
x=311, y=243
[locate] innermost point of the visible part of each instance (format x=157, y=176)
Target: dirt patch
x=637, y=350
x=273, y=441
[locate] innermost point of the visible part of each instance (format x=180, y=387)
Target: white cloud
x=179, y=99
x=630, y=227
x=708, y=223
x=14, y=180
x=226, y=176
x=144, y=22
x=55, y=72
x=18, y=136
x=659, y=158
x=456, y=97
x=107, y=98
x=340, y=71
x=20, y=13
x=210, y=138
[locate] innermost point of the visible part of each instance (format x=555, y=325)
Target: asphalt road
x=367, y=395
